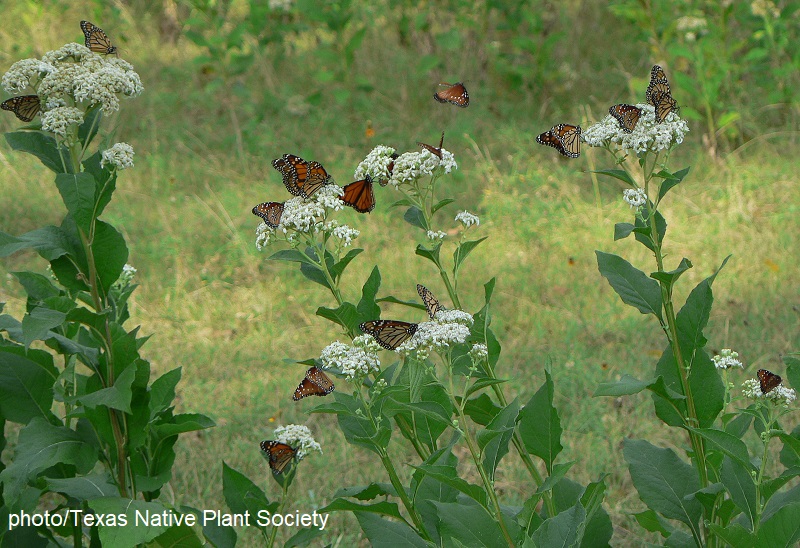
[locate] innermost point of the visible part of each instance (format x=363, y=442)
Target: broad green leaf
x=482, y=409
x=463, y=250
x=539, y=425
x=528, y=518
x=441, y=204
x=37, y=287
x=43, y=147
x=669, y=278
x=468, y=525
x=315, y=274
x=620, y=174
x=480, y=384
x=728, y=444
x=115, y=397
x=303, y=537
x=562, y=529
x=110, y=253
x=559, y=471
x=414, y=217
x=779, y=500
x=737, y=480
x=26, y=385
x=77, y=191
x=127, y=534
x=346, y=316
x=622, y=230
x=449, y=476
x=632, y=285
x=598, y=530
x=338, y=268
x=91, y=123
x=643, y=232
x=290, y=255
x=178, y=536
x=368, y=492
x=650, y=521
x=432, y=254
x=782, y=529
x=663, y=480
x=106, y=181
x=383, y=533
x=180, y=424
x=162, y=391
x=670, y=180
x=734, y=535
x=628, y=385
x=242, y=495
x=367, y=307
x=496, y=448
x=84, y=487
x=384, y=508
x=37, y=324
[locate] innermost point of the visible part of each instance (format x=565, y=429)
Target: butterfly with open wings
x=565, y=138
x=359, y=195
x=97, y=40
x=301, y=178
x=768, y=380
x=279, y=455
x=315, y=383
x=455, y=94
x=389, y=333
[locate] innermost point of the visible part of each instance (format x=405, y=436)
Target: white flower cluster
x=280, y=5
x=308, y=214
x=376, y=164
x=264, y=234
x=692, y=26
x=120, y=156
x=126, y=277
x=751, y=388
x=354, y=361
x=468, y=219
x=727, y=359
x=436, y=235
x=647, y=135
x=479, y=352
x=447, y=328
x=344, y=233
x=25, y=74
x=63, y=123
x=299, y=438
x=635, y=197
x=410, y=166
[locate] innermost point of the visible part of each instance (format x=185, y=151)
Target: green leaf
x=368, y=492
x=562, y=529
x=622, y=230
x=482, y=383
x=303, y=537
x=782, y=529
x=628, y=386
x=26, y=385
x=84, y=487
x=482, y=409
x=383, y=533
x=670, y=180
x=663, y=481
x=643, y=231
x=290, y=255
x=431, y=254
x=43, y=147
x=734, y=535
x=559, y=471
x=37, y=287
x=632, y=285
x=448, y=475
x=180, y=424
x=78, y=190
x=315, y=274
x=127, y=534
x=463, y=525
x=37, y=324
x=463, y=250
x=539, y=425
x=728, y=444
x=384, y=508
x=114, y=397
x=91, y=123
x=178, y=536
x=502, y=430
x=106, y=181
x=110, y=253
x=162, y=391
x=737, y=480
x=415, y=217
x=620, y=174
x=242, y=495
x=338, y=268
x=346, y=316
x=367, y=307
x=441, y=204
x=669, y=278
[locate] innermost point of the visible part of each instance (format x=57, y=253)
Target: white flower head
x=328, y=197
x=120, y=156
x=410, y=166
x=479, y=352
x=280, y=5
x=447, y=328
x=727, y=359
x=299, y=438
x=376, y=164
x=354, y=361
x=25, y=74
x=345, y=234
x=264, y=234
x=436, y=235
x=635, y=197
x=646, y=136
x=468, y=219
x=63, y=123
x=751, y=388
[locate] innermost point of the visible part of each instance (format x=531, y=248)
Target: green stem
x=274, y=531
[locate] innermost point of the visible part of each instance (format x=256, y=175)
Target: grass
x=234, y=322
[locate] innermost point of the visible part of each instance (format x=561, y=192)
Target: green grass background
x=205, y=137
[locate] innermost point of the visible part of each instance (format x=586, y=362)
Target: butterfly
x=658, y=94
x=432, y=149
x=359, y=195
x=316, y=383
x=626, y=115
x=24, y=107
x=301, y=178
x=565, y=138
x=389, y=333
x=432, y=304
x=96, y=39
x=768, y=380
x=280, y=455
x=455, y=94
x=390, y=169
x=271, y=213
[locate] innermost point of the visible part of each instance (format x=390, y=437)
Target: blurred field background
x=231, y=84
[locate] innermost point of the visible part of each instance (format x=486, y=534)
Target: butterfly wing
x=389, y=333
x=432, y=304
x=390, y=169
x=280, y=455
x=565, y=138
x=658, y=84
x=315, y=383
x=24, y=107
x=286, y=165
x=626, y=115
x=768, y=380
x=664, y=104
x=96, y=39
x=359, y=195
x=455, y=94
x=270, y=212
x=432, y=149
x=301, y=178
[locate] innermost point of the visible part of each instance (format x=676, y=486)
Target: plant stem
x=274, y=531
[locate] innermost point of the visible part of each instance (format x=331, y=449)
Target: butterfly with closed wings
x=315, y=383
x=24, y=107
x=455, y=94
x=626, y=115
x=96, y=39
x=436, y=151
x=279, y=455
x=270, y=212
x=565, y=138
x=658, y=94
x=389, y=333
x=432, y=304
x=768, y=380
x=359, y=195
x=301, y=178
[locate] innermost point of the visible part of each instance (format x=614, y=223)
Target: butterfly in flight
x=565, y=138
x=301, y=178
x=280, y=455
x=626, y=115
x=658, y=94
x=315, y=383
x=96, y=39
x=436, y=151
x=270, y=212
x=389, y=333
x=768, y=380
x=359, y=195
x=24, y=107
x=432, y=304
x=455, y=94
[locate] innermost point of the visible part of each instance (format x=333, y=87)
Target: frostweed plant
x=120, y=156
x=298, y=437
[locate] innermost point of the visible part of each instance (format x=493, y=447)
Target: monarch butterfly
x=389, y=333
x=565, y=138
x=626, y=115
x=24, y=107
x=455, y=94
x=271, y=213
x=359, y=195
x=279, y=454
x=390, y=169
x=96, y=39
x=768, y=380
x=301, y=178
x=432, y=149
x=432, y=304
x=658, y=94
x=315, y=383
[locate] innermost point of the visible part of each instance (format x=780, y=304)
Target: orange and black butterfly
x=271, y=213
x=279, y=454
x=359, y=195
x=389, y=333
x=455, y=94
x=316, y=383
x=96, y=39
x=24, y=107
x=432, y=304
x=658, y=94
x=565, y=138
x=436, y=151
x=390, y=169
x=301, y=178
x=768, y=380
x=626, y=115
